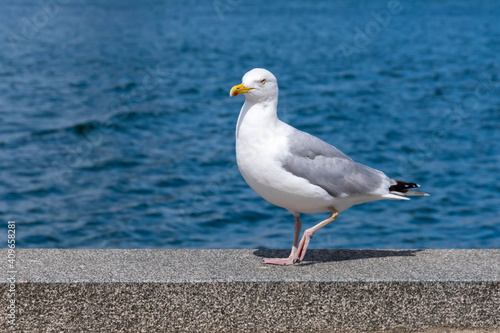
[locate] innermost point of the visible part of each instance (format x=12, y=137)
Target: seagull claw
x=279, y=261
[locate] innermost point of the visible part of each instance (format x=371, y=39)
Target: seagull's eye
x=262, y=81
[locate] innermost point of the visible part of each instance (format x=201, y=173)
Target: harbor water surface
x=117, y=130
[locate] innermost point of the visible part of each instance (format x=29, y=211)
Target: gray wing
x=327, y=167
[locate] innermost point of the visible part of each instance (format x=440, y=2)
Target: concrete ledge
x=230, y=291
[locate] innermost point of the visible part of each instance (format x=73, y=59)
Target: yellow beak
x=239, y=89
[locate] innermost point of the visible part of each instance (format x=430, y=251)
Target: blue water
x=117, y=131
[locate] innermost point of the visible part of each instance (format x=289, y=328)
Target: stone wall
x=231, y=291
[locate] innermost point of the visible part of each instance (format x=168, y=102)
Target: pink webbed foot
x=279, y=261
x=298, y=253
x=296, y=256
x=304, y=243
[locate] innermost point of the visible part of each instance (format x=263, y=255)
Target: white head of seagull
x=259, y=86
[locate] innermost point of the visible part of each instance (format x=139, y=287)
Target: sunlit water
x=117, y=131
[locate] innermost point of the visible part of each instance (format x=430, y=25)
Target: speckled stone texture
x=230, y=291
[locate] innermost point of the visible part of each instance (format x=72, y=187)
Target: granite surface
x=231, y=291
x=36, y=265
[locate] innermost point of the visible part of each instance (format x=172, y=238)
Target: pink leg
x=293, y=255
x=309, y=233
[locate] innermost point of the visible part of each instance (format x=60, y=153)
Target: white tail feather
x=394, y=196
x=410, y=193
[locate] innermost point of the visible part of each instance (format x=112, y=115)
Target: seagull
x=297, y=171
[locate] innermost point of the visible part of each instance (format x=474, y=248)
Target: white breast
x=259, y=150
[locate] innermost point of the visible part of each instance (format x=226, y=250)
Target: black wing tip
x=403, y=187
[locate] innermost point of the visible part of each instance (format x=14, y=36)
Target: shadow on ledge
x=315, y=256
